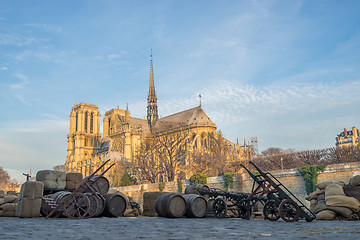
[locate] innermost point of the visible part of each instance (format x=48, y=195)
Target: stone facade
x=123, y=134
x=348, y=138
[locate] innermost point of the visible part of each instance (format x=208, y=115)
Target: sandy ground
x=184, y=228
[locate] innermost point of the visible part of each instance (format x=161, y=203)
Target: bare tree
x=4, y=178
x=147, y=165
x=171, y=148
x=59, y=168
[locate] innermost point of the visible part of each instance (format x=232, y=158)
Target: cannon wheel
x=77, y=206
x=289, y=211
x=220, y=208
x=271, y=210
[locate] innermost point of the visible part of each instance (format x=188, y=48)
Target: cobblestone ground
x=184, y=228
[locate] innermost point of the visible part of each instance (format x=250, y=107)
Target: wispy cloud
x=45, y=27
x=4, y=68
x=18, y=88
x=15, y=40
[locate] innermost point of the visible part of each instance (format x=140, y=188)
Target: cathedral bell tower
x=152, y=108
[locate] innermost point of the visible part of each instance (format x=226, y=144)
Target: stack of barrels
x=59, y=186
x=174, y=205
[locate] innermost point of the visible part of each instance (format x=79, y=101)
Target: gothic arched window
x=91, y=122
x=86, y=122
x=76, y=123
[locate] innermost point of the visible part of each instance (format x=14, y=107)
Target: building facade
x=123, y=134
x=348, y=138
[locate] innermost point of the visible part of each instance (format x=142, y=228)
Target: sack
x=326, y=215
x=321, y=197
x=10, y=198
x=343, y=201
x=334, y=190
x=313, y=202
x=324, y=184
x=314, y=195
x=355, y=181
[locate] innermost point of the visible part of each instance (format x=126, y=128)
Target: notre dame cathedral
x=123, y=134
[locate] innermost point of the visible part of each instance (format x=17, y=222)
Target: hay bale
x=52, y=179
x=1, y=213
x=334, y=190
x=32, y=190
x=2, y=192
x=10, y=199
x=73, y=180
x=355, y=181
x=343, y=201
x=326, y=215
x=315, y=194
x=2, y=201
x=324, y=184
x=29, y=208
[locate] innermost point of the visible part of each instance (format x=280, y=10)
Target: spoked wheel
x=289, y=211
x=220, y=208
x=93, y=205
x=77, y=206
x=271, y=210
x=245, y=210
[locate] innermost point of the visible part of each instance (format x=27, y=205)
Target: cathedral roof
x=187, y=117
x=140, y=124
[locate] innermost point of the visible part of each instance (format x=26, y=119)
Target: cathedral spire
x=152, y=108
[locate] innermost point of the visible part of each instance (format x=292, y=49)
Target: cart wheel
x=245, y=210
x=220, y=208
x=77, y=205
x=93, y=205
x=271, y=210
x=289, y=211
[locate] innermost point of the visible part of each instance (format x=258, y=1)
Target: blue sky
x=284, y=71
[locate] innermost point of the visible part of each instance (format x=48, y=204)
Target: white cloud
x=46, y=27
x=15, y=40
x=46, y=57
x=291, y=116
x=18, y=88
x=4, y=68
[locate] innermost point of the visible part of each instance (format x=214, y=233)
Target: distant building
x=348, y=138
x=122, y=134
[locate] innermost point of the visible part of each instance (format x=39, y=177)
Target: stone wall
x=291, y=178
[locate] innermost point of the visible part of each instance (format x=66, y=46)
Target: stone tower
x=152, y=108
x=84, y=136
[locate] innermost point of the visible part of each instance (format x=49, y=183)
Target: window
x=76, y=123
x=86, y=122
x=91, y=122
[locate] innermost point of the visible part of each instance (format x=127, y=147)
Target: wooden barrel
x=193, y=189
x=115, y=205
x=210, y=208
x=58, y=197
x=170, y=205
x=196, y=205
x=101, y=184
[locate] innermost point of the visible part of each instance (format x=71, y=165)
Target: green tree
x=198, y=178
x=127, y=180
